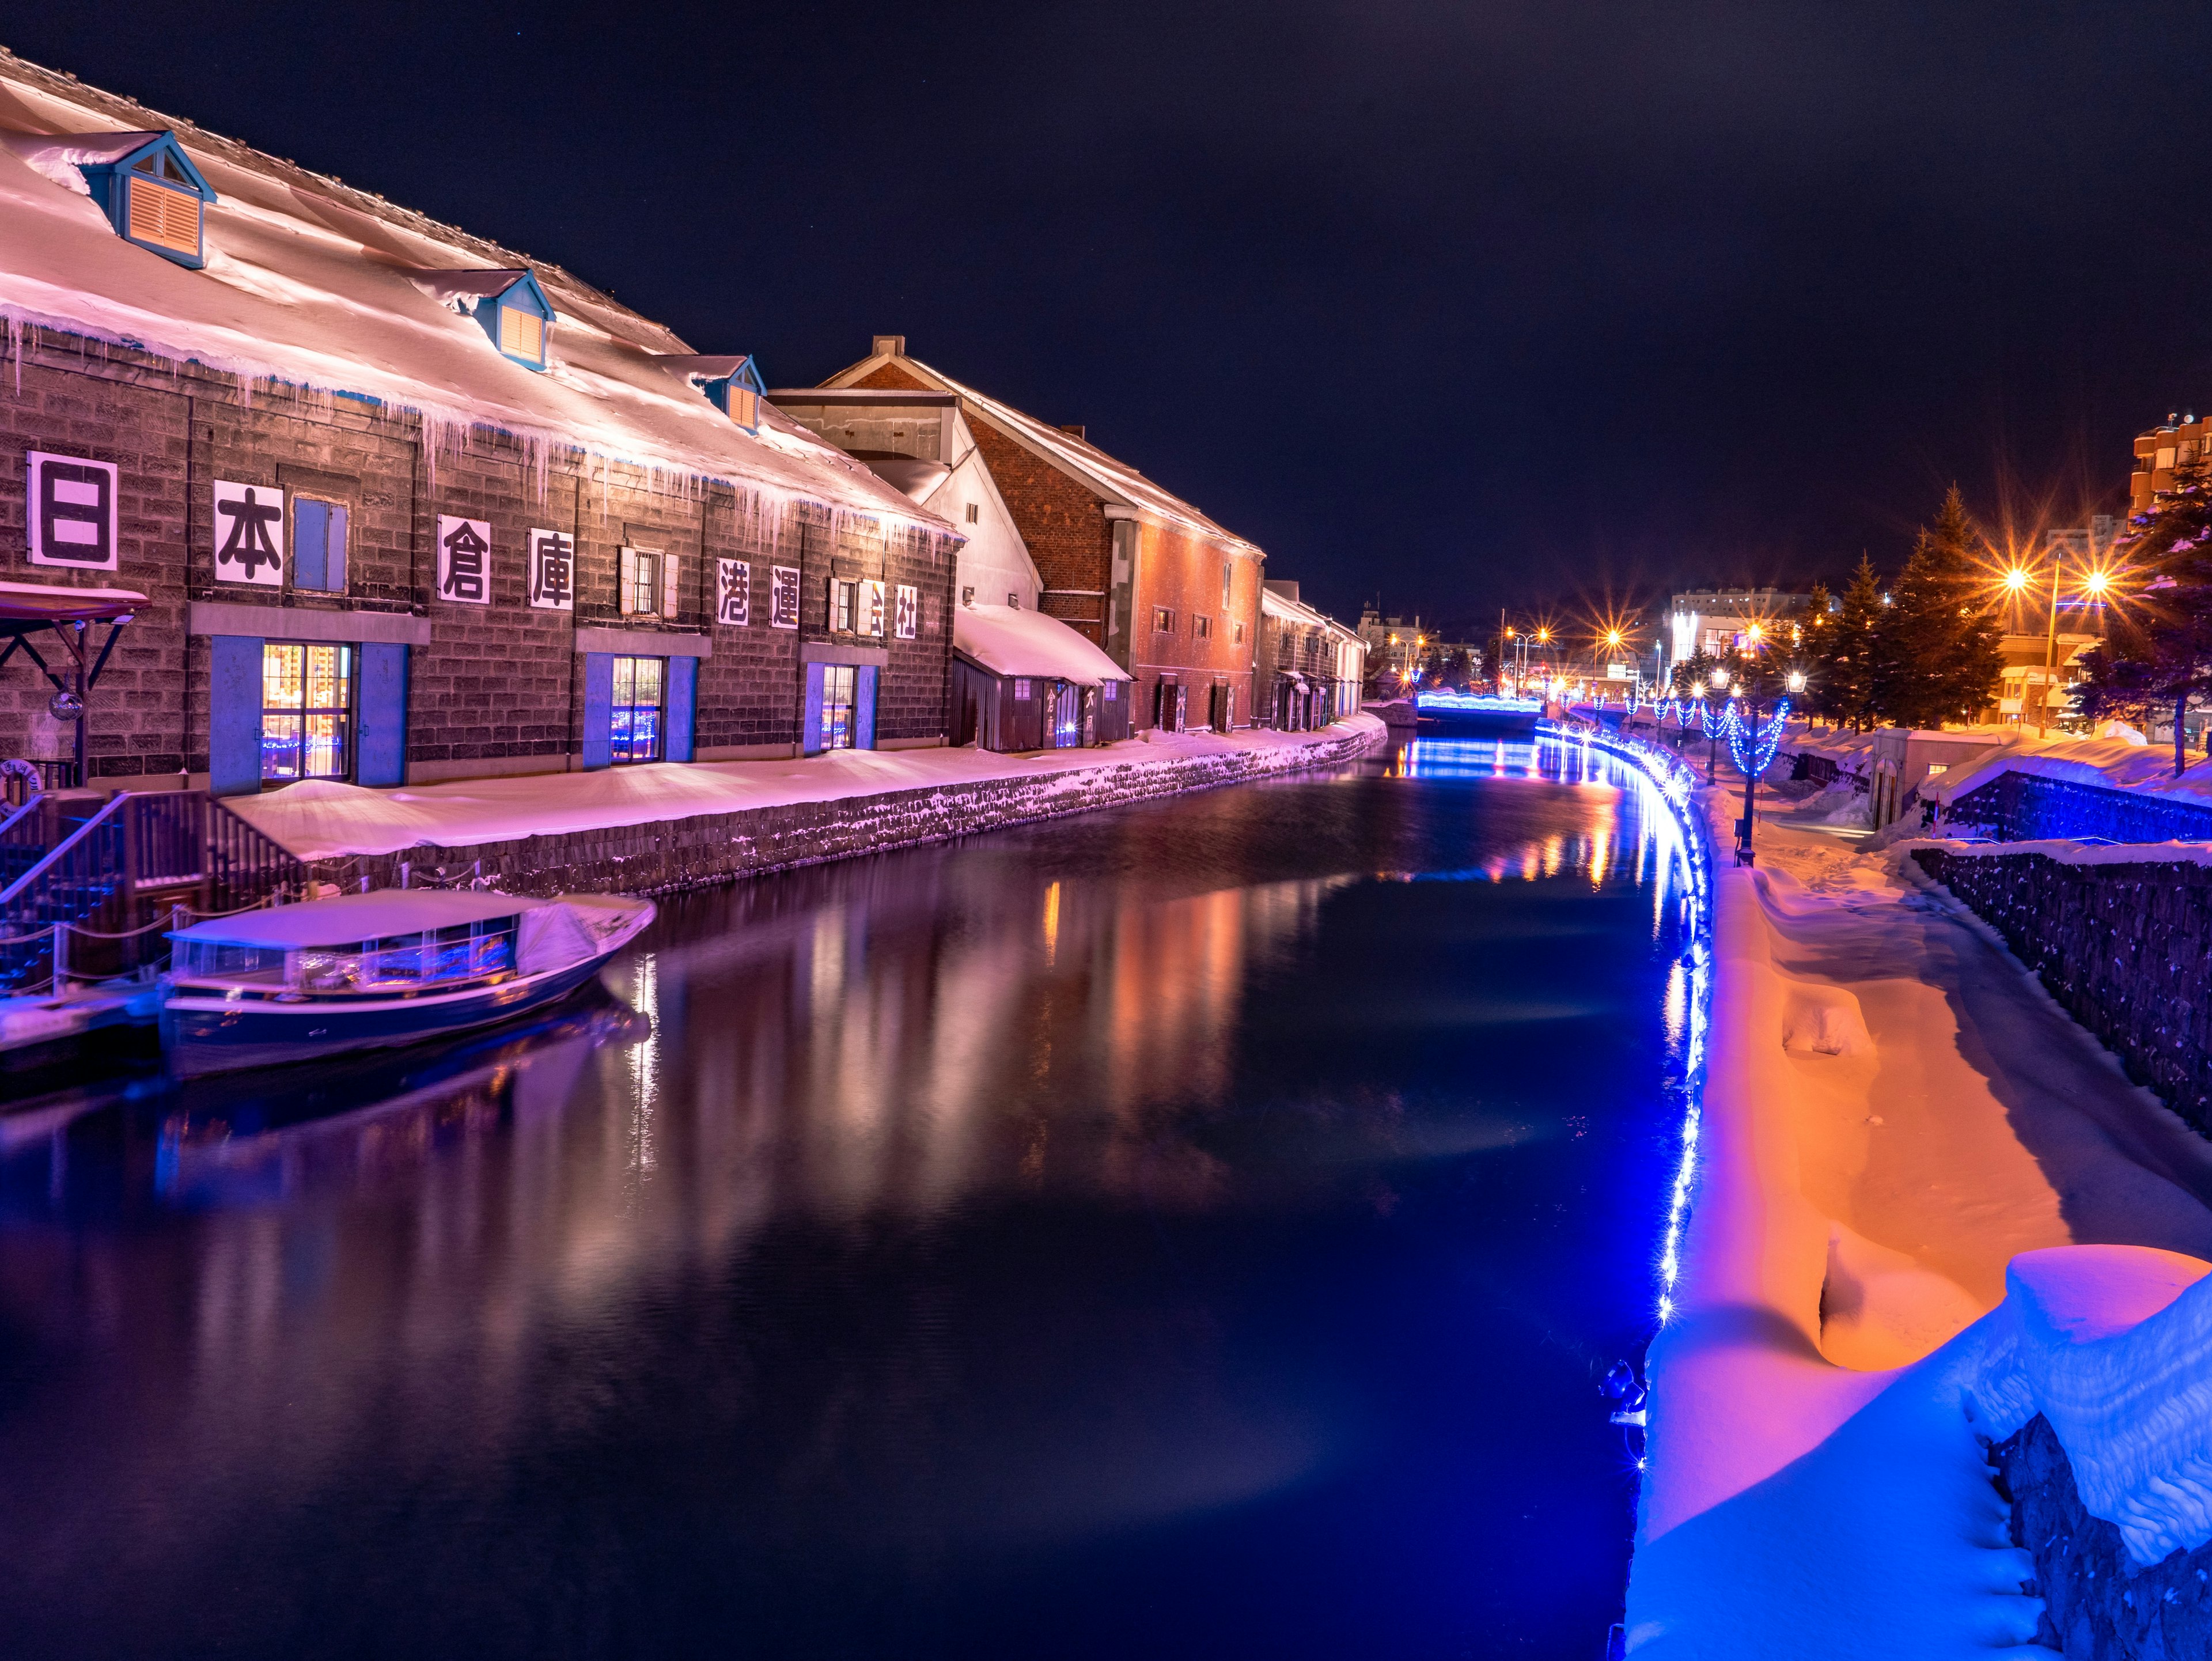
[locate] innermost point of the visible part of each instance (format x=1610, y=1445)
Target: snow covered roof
x=1284, y=609
x=1113, y=480
x=1009, y=641
x=311, y=283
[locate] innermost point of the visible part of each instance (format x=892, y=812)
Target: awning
x=35, y=606
x=350, y=919
x=1294, y=678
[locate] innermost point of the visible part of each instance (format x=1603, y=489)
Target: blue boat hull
x=212, y=1035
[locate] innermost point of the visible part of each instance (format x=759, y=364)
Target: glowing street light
x=1796, y=680
x=2096, y=587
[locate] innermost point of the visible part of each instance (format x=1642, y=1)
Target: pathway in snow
x=1894, y=1110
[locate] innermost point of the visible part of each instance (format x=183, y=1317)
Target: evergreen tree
x=1849, y=667
x=2162, y=660
x=1938, y=645
x=1693, y=672
x=1816, y=642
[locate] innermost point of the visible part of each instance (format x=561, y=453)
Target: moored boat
x=398, y=966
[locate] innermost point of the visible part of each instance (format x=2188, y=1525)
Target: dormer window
x=509, y=306
x=733, y=385
x=148, y=187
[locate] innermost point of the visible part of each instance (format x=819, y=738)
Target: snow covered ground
x=1893, y=1110
x=320, y=820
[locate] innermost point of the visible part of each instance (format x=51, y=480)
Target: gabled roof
x=1113, y=481
x=311, y=283
x=1008, y=640
x=1284, y=609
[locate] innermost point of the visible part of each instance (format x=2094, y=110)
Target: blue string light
x=1753, y=752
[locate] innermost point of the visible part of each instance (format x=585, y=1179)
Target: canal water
x=1197, y=1229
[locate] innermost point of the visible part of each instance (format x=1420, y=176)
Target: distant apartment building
x=2158, y=452
x=1395, y=649
x=1714, y=621
x=1169, y=595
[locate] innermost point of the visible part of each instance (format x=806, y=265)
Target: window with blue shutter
x=234, y=714
x=599, y=709
x=864, y=710
x=382, y=755
x=810, y=742
x=683, y=706
x=319, y=545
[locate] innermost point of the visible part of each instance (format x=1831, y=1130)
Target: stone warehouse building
x=1310, y=666
x=403, y=505
x=1170, y=596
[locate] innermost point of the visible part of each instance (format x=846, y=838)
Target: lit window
x=1021, y=688
x=839, y=693
x=306, y=712
x=1162, y=618
x=1200, y=627
x=634, y=722
x=319, y=545
x=521, y=335
x=1237, y=634
x=745, y=407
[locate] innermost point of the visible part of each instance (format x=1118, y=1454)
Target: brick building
x=1311, y=667
x=2181, y=439
x=404, y=505
x=1172, y=596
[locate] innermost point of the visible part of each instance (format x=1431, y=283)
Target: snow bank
x=1010, y=640
x=2121, y=761
x=318, y=819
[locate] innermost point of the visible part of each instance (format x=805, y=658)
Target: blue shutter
x=381, y=755
x=334, y=556
x=310, y=542
x=864, y=710
x=683, y=703
x=599, y=709
x=810, y=715
x=233, y=715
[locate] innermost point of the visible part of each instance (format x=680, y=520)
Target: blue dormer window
x=519, y=321
x=733, y=385
x=148, y=189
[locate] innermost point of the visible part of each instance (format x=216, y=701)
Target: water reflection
x=946, y=1244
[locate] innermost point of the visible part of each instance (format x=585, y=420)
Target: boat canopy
x=35, y=606
x=352, y=919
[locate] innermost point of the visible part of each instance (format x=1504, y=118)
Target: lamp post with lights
x=2096, y=584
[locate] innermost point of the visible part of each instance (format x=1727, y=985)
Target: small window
x=306, y=712
x=1013, y=599
x=1162, y=618
x=649, y=583
x=1021, y=688
x=975, y=512
x=319, y=545
x=1110, y=693
x=521, y=335
x=844, y=603
x=1236, y=634
x=1228, y=575
x=968, y=596
x=1200, y=627
x=744, y=406
x=634, y=716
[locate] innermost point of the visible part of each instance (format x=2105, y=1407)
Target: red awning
x=35, y=603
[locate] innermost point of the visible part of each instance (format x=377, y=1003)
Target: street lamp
x=1720, y=680
x=2096, y=584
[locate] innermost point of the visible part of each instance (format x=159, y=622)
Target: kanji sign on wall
x=909, y=611
x=249, y=535
x=872, y=607
x=733, y=592
x=782, y=596
x=465, y=560
x=552, y=571
x=71, y=519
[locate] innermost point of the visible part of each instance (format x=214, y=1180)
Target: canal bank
x=661, y=828
x=1904, y=1148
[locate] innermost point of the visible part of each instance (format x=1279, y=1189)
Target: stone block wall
x=2026, y=807
x=2125, y=949
x=2098, y=1604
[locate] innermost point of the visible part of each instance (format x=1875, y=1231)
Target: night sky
x=1456, y=305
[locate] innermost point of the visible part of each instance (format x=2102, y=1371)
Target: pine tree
x=1938, y=648
x=1816, y=642
x=1849, y=669
x=2164, y=657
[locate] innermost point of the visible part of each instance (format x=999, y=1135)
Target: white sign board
x=71, y=512
x=733, y=593
x=465, y=560
x=552, y=571
x=909, y=611
x=249, y=535
x=782, y=596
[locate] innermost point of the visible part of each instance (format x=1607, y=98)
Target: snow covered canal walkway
x=669, y=824
x=1893, y=1111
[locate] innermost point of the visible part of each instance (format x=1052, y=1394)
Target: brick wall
x=1182, y=573
x=498, y=687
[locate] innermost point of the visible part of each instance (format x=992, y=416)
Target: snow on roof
x=351, y=918
x=312, y=283
x=1284, y=609
x=1009, y=641
x=2121, y=763
x=1116, y=481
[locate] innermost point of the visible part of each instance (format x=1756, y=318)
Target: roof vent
x=1073, y=429
x=888, y=345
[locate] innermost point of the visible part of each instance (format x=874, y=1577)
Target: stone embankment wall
x=2098, y=1604
x=2027, y=807
x=670, y=854
x=2124, y=947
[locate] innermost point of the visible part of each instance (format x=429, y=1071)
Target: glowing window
x=165, y=218
x=521, y=334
